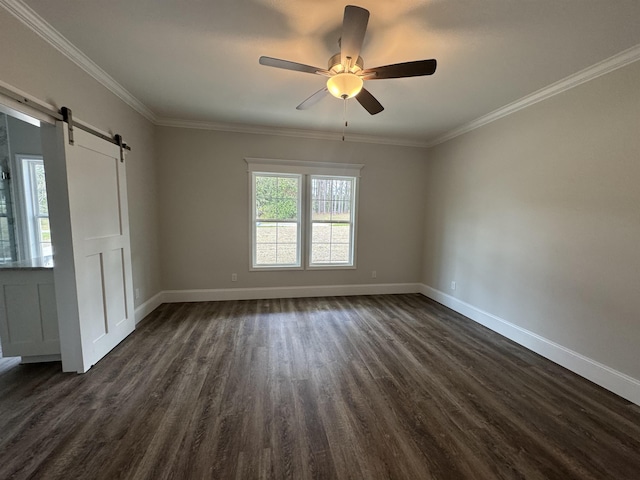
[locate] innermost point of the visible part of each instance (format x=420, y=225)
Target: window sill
x=273, y=268
x=331, y=267
x=302, y=269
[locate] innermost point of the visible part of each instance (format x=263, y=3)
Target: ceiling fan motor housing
x=335, y=65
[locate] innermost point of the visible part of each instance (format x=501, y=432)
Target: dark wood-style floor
x=370, y=387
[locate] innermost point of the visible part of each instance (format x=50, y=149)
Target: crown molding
x=601, y=68
x=43, y=29
x=608, y=65
x=288, y=132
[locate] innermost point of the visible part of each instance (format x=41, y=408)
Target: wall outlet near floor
x=234, y=277
x=374, y=274
x=137, y=293
x=453, y=285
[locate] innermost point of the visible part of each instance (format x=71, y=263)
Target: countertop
x=41, y=263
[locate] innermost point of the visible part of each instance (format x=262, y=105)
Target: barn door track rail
x=65, y=114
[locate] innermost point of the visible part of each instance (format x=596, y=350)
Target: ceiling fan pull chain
x=346, y=124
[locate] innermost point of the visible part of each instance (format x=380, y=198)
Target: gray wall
x=205, y=209
x=537, y=218
x=33, y=66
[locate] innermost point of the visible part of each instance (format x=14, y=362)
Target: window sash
x=282, y=227
x=332, y=253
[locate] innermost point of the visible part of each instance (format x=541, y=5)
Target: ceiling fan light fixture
x=344, y=85
x=346, y=68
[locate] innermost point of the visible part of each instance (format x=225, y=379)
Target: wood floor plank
x=363, y=387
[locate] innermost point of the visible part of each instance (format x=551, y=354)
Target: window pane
x=321, y=211
x=287, y=233
x=330, y=243
x=331, y=199
x=276, y=243
x=265, y=191
x=341, y=189
x=266, y=184
x=321, y=233
x=340, y=233
x=45, y=231
x=341, y=210
x=287, y=254
x=266, y=232
x=286, y=209
x=266, y=254
x=5, y=242
x=321, y=253
x=339, y=253
x=3, y=201
x=288, y=187
x=45, y=237
x=276, y=198
x=320, y=189
x=41, y=190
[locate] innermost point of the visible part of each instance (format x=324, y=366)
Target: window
x=303, y=214
x=33, y=199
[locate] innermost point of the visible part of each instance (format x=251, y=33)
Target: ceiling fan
x=346, y=70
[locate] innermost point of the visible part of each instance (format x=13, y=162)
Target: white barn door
x=92, y=256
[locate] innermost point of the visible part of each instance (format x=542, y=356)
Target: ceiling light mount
x=336, y=66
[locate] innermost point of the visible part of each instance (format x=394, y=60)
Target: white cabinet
x=28, y=314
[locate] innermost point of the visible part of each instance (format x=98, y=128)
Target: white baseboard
x=215, y=295
x=175, y=296
x=613, y=380
x=149, y=306
x=56, y=357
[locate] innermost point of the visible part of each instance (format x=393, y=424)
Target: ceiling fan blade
x=313, y=99
x=354, y=27
x=287, y=65
x=369, y=102
x=399, y=70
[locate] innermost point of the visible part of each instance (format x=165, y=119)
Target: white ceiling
x=198, y=60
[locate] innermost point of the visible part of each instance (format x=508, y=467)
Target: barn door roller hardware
x=118, y=139
x=67, y=117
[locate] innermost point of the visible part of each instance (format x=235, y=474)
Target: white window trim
x=305, y=168
x=333, y=169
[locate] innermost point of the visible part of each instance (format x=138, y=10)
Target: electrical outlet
x=374, y=274
x=453, y=285
x=234, y=277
